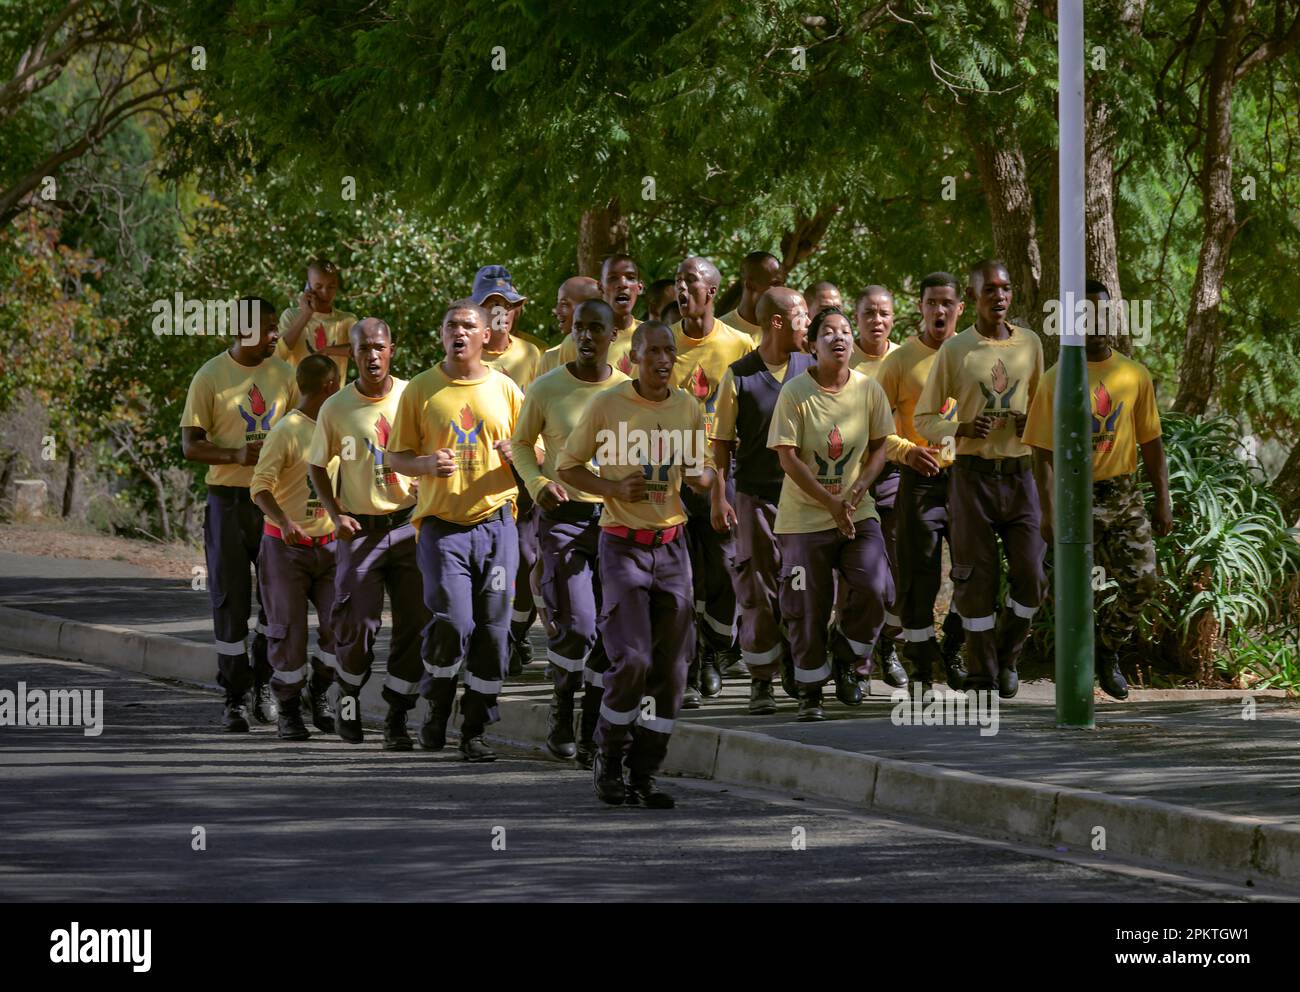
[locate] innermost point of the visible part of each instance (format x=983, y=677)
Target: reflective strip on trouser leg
x=617, y=718
x=290, y=676
x=593, y=678
x=1024, y=612
x=327, y=659
x=443, y=671
x=521, y=616
x=978, y=623
x=348, y=678
x=658, y=724
x=818, y=675
x=769, y=657
x=231, y=648
x=893, y=619
x=859, y=648
x=916, y=636
x=401, y=686
x=566, y=664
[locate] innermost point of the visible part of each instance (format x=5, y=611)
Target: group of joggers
x=765, y=493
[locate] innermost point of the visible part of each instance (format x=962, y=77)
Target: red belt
x=653, y=538
x=273, y=531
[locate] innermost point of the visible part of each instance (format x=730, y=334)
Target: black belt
x=995, y=466
x=941, y=474
x=383, y=521
x=574, y=511
x=230, y=492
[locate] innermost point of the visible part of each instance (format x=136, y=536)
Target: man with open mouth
x=452, y=423
x=377, y=541
x=643, y=436
x=574, y=290
x=705, y=348
x=921, y=505
x=829, y=429
x=569, y=529
x=992, y=371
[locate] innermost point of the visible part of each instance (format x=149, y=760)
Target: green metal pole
x=1072, y=461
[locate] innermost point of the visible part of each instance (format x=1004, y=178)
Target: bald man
x=574, y=290
x=759, y=272
x=705, y=348
x=821, y=295
x=746, y=400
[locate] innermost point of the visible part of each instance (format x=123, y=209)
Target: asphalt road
x=113, y=817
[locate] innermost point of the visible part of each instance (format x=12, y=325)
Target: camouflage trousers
x=1123, y=547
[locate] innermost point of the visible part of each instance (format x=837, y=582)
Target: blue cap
x=494, y=280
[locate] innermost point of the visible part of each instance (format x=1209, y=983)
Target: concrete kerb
x=1046, y=815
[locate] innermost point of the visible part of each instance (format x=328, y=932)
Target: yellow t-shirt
x=902, y=376
x=323, y=330
x=469, y=416
x=236, y=404
x=830, y=431
x=624, y=433
x=355, y=429
x=519, y=361
x=702, y=362
x=1124, y=414
x=619, y=356
x=550, y=360
x=734, y=319
x=869, y=365
x=724, y=416
x=551, y=409
x=985, y=377
x=282, y=469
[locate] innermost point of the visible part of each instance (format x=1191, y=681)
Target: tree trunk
x=602, y=231
x=1001, y=167
x=799, y=243
x=70, y=482
x=1287, y=487
x=1219, y=211
x=7, y=475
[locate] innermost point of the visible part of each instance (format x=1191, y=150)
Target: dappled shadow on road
x=115, y=817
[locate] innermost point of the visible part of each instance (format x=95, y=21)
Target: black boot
x=559, y=725
x=691, y=697
x=322, y=714
x=1111, y=678
x=396, y=736
x=608, y=773
x=810, y=704
x=1008, y=682
x=234, y=715
x=847, y=690
x=474, y=748
x=731, y=664
x=433, y=732
x=710, y=678
x=642, y=791
x=586, y=750
x=265, y=708
x=348, y=719
x=762, y=702
x=887, y=663
x=289, y=718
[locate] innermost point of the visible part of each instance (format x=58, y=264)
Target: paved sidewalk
x=1194, y=752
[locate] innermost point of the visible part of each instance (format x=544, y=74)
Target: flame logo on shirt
x=998, y=398
x=949, y=409
x=469, y=428
x=699, y=383
x=319, y=338
x=1105, y=415
x=625, y=365
x=257, y=417
x=382, y=429
x=831, y=468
